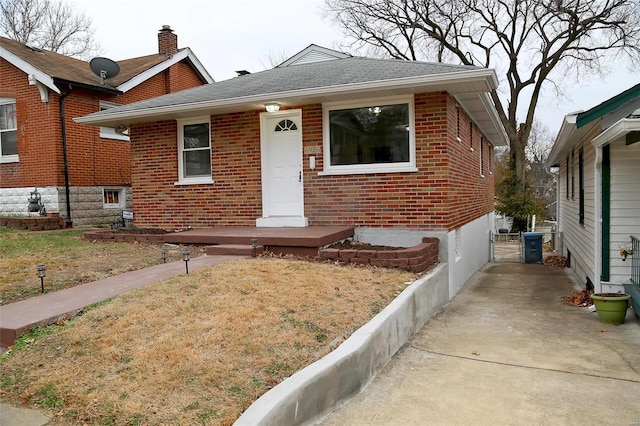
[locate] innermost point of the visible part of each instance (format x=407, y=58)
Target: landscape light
x=165, y=252
x=254, y=244
x=185, y=257
x=41, y=274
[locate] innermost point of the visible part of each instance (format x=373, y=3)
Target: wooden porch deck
x=283, y=240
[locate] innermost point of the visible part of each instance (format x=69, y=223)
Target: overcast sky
x=231, y=35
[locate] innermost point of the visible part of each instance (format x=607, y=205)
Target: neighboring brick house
x=398, y=149
x=42, y=147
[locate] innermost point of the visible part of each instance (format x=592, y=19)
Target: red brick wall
x=93, y=161
x=235, y=197
x=38, y=133
x=181, y=76
x=470, y=195
x=445, y=193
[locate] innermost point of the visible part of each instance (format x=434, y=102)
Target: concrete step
x=234, y=249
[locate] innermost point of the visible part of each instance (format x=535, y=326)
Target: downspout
x=69, y=222
x=598, y=220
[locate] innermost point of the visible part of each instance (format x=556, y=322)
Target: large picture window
x=194, y=149
x=8, y=131
x=375, y=136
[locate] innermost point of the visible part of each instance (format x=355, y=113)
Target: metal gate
x=509, y=247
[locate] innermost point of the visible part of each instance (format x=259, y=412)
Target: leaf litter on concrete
x=197, y=348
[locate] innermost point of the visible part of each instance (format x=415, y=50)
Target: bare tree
x=528, y=42
x=537, y=151
x=274, y=58
x=47, y=24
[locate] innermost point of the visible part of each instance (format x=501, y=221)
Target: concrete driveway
x=508, y=351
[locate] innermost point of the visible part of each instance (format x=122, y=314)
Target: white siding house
x=598, y=155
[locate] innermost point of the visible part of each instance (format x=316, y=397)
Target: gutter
x=68, y=222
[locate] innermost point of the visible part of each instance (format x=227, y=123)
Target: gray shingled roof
x=315, y=75
x=344, y=79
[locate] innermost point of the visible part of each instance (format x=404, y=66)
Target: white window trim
x=110, y=132
x=121, y=197
x=409, y=166
x=195, y=180
x=14, y=158
x=5, y=159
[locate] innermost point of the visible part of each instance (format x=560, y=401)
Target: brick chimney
x=167, y=41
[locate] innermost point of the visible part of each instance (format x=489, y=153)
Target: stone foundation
x=414, y=259
x=87, y=207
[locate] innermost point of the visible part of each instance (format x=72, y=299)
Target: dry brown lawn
x=70, y=260
x=197, y=348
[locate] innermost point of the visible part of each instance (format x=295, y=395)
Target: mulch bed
x=356, y=245
x=142, y=231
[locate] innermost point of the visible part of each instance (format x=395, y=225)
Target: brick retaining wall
x=33, y=223
x=123, y=237
x=414, y=259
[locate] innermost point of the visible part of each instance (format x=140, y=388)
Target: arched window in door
x=285, y=126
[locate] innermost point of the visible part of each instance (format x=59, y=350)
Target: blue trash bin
x=532, y=247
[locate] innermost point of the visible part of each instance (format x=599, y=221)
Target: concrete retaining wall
x=318, y=389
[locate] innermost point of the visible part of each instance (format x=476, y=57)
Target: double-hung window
x=194, y=151
x=8, y=131
x=369, y=136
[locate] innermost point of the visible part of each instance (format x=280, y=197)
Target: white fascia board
x=564, y=135
x=199, y=67
x=29, y=69
x=618, y=130
x=156, y=69
x=495, y=119
x=195, y=107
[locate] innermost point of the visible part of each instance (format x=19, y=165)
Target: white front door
x=282, y=189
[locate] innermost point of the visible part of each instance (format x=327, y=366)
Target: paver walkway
x=46, y=309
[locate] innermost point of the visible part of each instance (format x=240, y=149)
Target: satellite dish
x=104, y=68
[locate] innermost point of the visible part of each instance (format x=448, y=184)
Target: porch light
x=41, y=274
x=165, y=252
x=272, y=106
x=185, y=257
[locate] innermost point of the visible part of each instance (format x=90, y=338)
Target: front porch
x=304, y=241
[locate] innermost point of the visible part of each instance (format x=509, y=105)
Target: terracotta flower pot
x=611, y=307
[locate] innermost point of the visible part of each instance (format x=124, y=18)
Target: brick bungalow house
x=400, y=150
x=82, y=172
